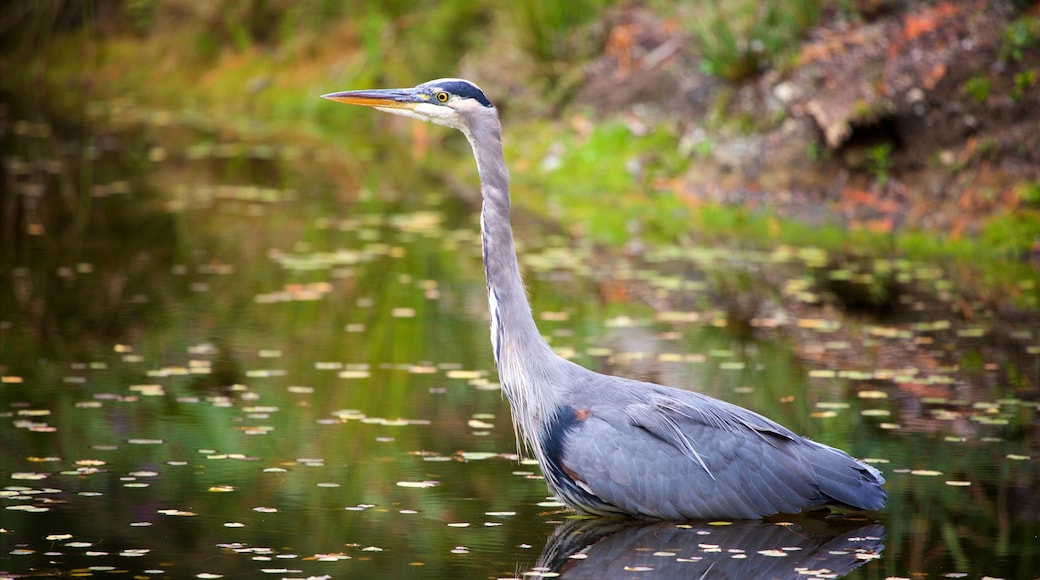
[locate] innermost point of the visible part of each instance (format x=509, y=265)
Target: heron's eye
x=442, y=97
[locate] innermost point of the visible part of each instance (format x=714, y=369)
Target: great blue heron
x=609, y=445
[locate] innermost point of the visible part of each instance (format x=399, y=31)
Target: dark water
x=226, y=358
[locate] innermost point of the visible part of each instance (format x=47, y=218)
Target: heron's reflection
x=604, y=548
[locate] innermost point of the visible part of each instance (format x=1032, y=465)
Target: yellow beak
x=381, y=98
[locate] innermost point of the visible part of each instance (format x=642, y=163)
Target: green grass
x=739, y=39
x=552, y=32
x=1013, y=234
x=562, y=173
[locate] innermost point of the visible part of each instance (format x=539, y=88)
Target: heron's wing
x=690, y=422
x=687, y=456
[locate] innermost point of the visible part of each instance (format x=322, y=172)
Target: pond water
x=225, y=358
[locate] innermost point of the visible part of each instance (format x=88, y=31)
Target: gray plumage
x=609, y=445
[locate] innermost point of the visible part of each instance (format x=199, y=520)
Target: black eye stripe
x=464, y=90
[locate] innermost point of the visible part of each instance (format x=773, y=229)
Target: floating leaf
x=418, y=484
x=925, y=472
x=354, y=374
x=148, y=390
x=134, y=552
x=178, y=513
x=27, y=475
x=773, y=553
x=461, y=374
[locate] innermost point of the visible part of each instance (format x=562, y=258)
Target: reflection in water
x=597, y=548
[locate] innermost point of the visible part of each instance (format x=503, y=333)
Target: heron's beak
x=381, y=98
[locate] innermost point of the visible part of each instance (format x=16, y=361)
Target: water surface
x=225, y=357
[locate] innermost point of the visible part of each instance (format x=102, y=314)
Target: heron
x=608, y=445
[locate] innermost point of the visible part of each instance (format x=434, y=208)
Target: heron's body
x=609, y=445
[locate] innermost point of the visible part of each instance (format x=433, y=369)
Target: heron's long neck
x=520, y=352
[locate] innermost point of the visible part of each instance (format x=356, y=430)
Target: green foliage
x=880, y=160
x=738, y=39
x=978, y=87
x=1012, y=234
x=548, y=30
x=1024, y=81
x=236, y=26
x=427, y=40
x=1029, y=192
x=313, y=15
x=610, y=165
x=1022, y=35
x=140, y=14
x=817, y=151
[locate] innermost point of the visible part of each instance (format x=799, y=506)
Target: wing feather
x=687, y=456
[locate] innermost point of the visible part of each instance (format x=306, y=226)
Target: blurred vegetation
x=570, y=177
x=370, y=41
x=1022, y=35
x=256, y=68
x=740, y=39
x=554, y=34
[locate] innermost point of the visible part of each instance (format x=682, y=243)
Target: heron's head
x=445, y=101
